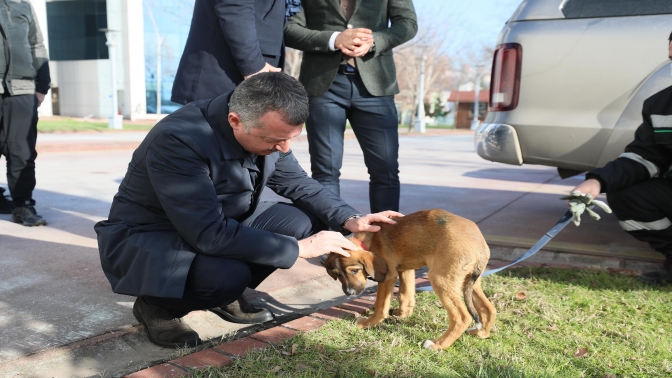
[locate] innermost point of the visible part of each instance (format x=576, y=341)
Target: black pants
x=18, y=136
x=217, y=281
x=644, y=211
x=374, y=122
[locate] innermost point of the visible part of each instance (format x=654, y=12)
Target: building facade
x=145, y=39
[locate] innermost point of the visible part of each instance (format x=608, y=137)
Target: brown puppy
x=454, y=250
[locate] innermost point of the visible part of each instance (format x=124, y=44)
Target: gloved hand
x=580, y=202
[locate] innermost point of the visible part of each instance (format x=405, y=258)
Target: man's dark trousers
x=217, y=281
x=648, y=204
x=374, y=121
x=18, y=136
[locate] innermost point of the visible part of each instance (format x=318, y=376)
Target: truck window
x=615, y=8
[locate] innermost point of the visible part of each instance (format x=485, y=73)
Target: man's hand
x=40, y=98
x=325, y=242
x=351, y=39
x=591, y=186
x=358, y=51
x=580, y=202
x=364, y=223
x=267, y=68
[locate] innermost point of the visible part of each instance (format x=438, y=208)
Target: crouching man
x=187, y=231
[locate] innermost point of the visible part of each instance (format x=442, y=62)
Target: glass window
x=615, y=8
x=74, y=29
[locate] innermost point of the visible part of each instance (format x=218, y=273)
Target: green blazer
x=310, y=30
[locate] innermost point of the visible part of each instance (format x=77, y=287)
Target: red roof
x=468, y=96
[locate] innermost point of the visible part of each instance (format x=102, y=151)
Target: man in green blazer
x=349, y=73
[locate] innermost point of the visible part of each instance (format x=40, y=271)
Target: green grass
x=625, y=328
x=70, y=125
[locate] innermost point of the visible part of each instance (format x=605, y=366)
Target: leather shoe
x=242, y=311
x=659, y=277
x=163, y=329
x=656, y=277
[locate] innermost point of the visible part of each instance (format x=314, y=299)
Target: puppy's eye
x=355, y=271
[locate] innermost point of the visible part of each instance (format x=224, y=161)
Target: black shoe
x=6, y=204
x=162, y=328
x=26, y=215
x=241, y=311
x=659, y=277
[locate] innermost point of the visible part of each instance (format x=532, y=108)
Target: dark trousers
x=217, y=281
x=18, y=136
x=645, y=212
x=374, y=121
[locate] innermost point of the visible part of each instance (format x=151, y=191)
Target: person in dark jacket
x=639, y=182
x=348, y=70
x=229, y=40
x=186, y=231
x=24, y=70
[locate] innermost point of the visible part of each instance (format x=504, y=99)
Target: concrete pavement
x=59, y=317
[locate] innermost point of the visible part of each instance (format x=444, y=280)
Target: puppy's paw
x=401, y=314
x=483, y=334
x=429, y=344
x=361, y=323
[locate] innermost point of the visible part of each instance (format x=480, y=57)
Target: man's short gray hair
x=270, y=91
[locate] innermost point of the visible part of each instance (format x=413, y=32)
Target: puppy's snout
x=350, y=291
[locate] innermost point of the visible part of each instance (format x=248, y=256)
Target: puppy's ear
x=332, y=264
x=374, y=266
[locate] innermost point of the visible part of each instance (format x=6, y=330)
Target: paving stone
x=203, y=359
x=333, y=313
x=241, y=347
x=304, y=324
x=160, y=371
x=275, y=335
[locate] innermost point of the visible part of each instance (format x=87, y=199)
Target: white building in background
x=79, y=63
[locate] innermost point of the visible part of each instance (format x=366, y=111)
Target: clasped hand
x=354, y=42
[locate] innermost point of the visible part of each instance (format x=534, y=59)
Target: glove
x=580, y=202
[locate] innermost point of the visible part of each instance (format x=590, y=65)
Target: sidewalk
x=60, y=318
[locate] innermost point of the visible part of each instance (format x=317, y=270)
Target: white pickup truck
x=569, y=78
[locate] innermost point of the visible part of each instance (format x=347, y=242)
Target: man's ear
x=375, y=267
x=234, y=120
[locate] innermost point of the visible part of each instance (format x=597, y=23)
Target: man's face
x=272, y=135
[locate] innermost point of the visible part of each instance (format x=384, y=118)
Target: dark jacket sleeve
x=643, y=158
x=291, y=181
x=403, y=26
x=43, y=79
x=298, y=36
x=179, y=173
x=237, y=20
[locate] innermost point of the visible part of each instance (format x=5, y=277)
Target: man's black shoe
x=6, y=205
x=659, y=277
x=162, y=328
x=242, y=311
x=27, y=216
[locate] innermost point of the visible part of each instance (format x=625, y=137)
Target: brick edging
x=224, y=354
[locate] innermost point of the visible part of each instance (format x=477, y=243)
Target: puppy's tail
x=468, y=291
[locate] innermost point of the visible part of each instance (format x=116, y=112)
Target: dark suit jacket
x=228, y=39
x=186, y=191
x=310, y=30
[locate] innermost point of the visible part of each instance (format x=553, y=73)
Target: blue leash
x=564, y=221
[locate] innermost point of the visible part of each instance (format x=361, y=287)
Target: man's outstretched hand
x=580, y=202
x=364, y=223
x=325, y=242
